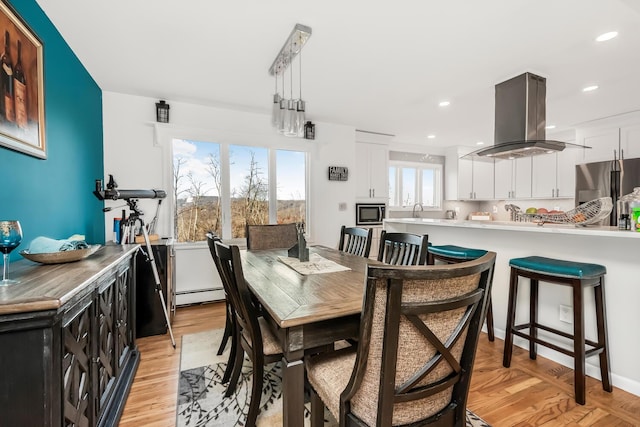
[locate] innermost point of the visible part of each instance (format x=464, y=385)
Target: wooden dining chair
x=419, y=331
x=229, y=326
x=252, y=331
x=356, y=240
x=271, y=236
x=403, y=248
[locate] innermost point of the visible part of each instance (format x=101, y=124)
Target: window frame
x=419, y=167
x=163, y=138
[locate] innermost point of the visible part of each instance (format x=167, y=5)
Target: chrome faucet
x=513, y=211
x=414, y=209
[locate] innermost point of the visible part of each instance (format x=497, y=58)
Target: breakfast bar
x=617, y=250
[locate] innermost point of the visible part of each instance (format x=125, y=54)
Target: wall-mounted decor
x=21, y=86
x=338, y=173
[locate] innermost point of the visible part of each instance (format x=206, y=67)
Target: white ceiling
x=380, y=66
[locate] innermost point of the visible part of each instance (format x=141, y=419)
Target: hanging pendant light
x=288, y=115
x=275, y=108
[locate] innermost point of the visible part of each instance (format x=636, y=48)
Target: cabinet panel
x=77, y=365
x=603, y=142
x=522, y=179
x=106, y=359
x=630, y=141
x=483, y=180
x=544, y=176
x=566, y=173
x=372, y=173
x=504, y=184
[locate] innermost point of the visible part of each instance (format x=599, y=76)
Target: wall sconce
x=309, y=130
x=162, y=112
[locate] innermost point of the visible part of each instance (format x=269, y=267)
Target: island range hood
x=520, y=110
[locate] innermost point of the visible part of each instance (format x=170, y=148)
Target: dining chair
x=252, y=331
x=403, y=248
x=229, y=326
x=271, y=236
x=419, y=331
x=356, y=240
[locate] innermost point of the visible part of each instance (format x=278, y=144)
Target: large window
x=222, y=187
x=414, y=179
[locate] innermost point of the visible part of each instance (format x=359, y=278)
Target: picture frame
x=22, y=124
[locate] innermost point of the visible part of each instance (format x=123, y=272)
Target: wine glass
x=10, y=238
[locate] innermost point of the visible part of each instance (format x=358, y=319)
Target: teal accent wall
x=53, y=197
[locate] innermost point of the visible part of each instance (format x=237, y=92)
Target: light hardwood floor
x=530, y=393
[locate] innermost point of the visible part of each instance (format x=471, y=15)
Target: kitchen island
x=618, y=250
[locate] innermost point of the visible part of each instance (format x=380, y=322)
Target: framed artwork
x=21, y=86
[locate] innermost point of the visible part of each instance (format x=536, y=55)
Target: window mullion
x=225, y=190
x=273, y=188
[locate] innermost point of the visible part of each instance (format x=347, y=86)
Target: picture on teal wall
x=21, y=86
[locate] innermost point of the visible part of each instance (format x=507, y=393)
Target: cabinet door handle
x=374, y=192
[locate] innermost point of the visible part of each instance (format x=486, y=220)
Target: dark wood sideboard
x=67, y=340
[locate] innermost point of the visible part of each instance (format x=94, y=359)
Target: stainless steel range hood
x=520, y=111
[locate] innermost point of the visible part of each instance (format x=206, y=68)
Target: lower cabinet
x=99, y=351
x=73, y=366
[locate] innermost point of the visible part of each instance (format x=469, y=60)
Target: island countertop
x=50, y=286
x=529, y=227
x=617, y=250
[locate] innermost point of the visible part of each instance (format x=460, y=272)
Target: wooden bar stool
x=568, y=273
x=451, y=254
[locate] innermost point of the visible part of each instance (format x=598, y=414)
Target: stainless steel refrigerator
x=614, y=178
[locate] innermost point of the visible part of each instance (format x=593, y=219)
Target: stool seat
x=452, y=251
x=557, y=267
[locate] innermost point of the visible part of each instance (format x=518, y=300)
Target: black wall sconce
x=309, y=130
x=162, y=112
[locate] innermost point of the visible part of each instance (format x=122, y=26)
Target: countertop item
x=61, y=257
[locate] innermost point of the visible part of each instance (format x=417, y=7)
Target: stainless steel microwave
x=370, y=213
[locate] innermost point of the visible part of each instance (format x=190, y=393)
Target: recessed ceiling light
x=479, y=143
x=431, y=136
x=607, y=36
x=550, y=127
x=444, y=103
x=590, y=88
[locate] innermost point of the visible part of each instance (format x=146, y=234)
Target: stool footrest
x=597, y=348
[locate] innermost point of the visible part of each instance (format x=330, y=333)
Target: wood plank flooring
x=530, y=393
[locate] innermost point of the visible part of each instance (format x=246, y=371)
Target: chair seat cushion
x=270, y=344
x=458, y=252
x=329, y=373
x=557, y=267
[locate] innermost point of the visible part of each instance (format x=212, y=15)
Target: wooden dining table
x=305, y=311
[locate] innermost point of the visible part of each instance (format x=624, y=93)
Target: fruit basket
x=587, y=213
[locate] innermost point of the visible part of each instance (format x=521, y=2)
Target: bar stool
x=451, y=254
x=567, y=273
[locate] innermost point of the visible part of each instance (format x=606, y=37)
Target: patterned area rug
x=201, y=401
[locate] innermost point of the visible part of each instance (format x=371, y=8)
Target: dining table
x=307, y=305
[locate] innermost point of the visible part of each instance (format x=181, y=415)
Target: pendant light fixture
x=288, y=115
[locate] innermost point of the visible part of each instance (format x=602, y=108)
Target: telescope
x=112, y=193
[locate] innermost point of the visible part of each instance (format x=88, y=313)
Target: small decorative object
x=162, y=112
x=300, y=250
x=309, y=130
x=338, y=173
x=10, y=238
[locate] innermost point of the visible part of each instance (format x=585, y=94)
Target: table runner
x=316, y=265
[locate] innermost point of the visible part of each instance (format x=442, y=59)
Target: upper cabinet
x=372, y=172
x=554, y=175
x=612, y=138
x=513, y=178
x=467, y=179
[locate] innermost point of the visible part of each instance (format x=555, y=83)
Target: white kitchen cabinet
x=372, y=171
x=513, y=179
x=468, y=179
x=554, y=175
x=630, y=141
x=604, y=143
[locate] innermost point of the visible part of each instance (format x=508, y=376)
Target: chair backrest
x=271, y=236
x=418, y=337
x=356, y=240
x=233, y=277
x=403, y=248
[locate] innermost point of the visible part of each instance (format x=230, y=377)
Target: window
x=222, y=187
x=412, y=180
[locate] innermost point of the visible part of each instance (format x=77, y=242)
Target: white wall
x=137, y=153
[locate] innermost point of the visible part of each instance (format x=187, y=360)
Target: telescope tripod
x=127, y=237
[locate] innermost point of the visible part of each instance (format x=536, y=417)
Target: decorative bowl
x=62, y=256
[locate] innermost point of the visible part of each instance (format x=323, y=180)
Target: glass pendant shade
x=300, y=118
x=289, y=119
x=275, y=111
x=281, y=116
